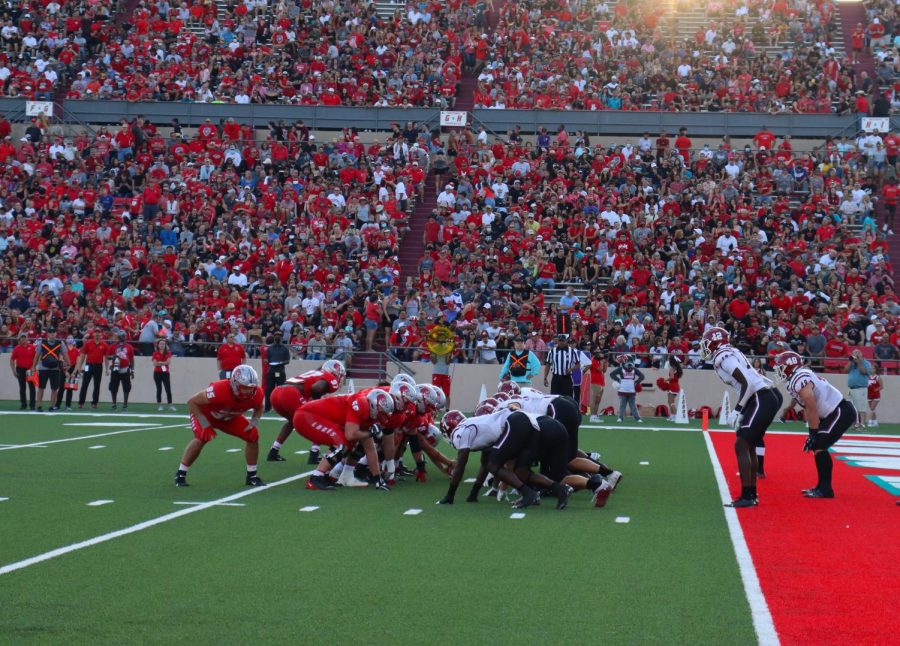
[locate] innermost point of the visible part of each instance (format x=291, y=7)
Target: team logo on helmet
x=381, y=404
x=406, y=394
x=336, y=368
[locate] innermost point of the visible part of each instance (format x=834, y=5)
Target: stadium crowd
x=544, y=55
x=192, y=237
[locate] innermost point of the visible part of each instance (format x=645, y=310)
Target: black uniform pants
x=21, y=373
x=93, y=373
x=562, y=385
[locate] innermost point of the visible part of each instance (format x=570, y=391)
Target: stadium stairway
x=853, y=13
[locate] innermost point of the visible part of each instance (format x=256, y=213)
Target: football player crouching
x=583, y=470
x=504, y=436
x=288, y=398
x=221, y=407
x=343, y=421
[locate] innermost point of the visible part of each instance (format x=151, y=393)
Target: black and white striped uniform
x=836, y=414
x=561, y=361
x=763, y=401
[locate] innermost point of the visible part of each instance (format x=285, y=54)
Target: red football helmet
x=712, y=339
x=450, y=420
x=786, y=364
x=501, y=397
x=486, y=407
x=511, y=388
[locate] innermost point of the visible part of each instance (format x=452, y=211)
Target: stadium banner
x=454, y=119
x=869, y=124
x=38, y=108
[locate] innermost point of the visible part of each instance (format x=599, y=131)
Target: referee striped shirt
x=561, y=360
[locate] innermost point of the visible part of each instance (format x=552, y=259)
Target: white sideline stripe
x=221, y=504
x=759, y=609
x=90, y=437
x=159, y=520
x=111, y=424
x=120, y=414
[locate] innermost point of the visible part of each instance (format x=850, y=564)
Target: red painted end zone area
x=829, y=569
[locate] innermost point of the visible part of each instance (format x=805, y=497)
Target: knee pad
x=335, y=456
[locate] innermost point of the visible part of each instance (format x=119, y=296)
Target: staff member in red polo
x=229, y=356
x=93, y=356
x=162, y=359
x=20, y=361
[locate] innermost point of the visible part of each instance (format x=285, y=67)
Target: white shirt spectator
x=237, y=278
x=446, y=198
x=726, y=242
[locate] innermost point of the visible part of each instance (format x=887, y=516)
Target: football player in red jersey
x=342, y=421
x=287, y=399
x=221, y=407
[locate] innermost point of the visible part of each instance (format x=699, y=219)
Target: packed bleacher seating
x=298, y=237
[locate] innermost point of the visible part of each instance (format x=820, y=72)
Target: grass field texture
x=655, y=566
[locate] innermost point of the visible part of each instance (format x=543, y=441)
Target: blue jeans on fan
x=628, y=400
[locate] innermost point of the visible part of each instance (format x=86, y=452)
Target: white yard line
x=133, y=529
x=10, y=447
x=759, y=609
x=116, y=414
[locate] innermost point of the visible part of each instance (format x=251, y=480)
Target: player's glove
x=808, y=445
x=379, y=483
x=207, y=434
x=734, y=419
x=375, y=432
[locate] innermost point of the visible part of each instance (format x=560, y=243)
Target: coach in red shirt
x=230, y=356
x=93, y=356
x=20, y=361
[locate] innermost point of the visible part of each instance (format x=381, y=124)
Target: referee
x=562, y=361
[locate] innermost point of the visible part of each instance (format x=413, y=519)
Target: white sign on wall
x=38, y=108
x=870, y=124
x=454, y=119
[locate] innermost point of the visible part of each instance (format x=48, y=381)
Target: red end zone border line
x=827, y=571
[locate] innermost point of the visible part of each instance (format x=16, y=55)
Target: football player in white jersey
x=501, y=436
x=758, y=404
x=828, y=415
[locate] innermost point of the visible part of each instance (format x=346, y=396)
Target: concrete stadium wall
x=701, y=387
x=338, y=117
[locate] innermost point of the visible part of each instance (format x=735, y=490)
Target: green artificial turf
x=356, y=568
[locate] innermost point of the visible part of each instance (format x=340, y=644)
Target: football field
x=97, y=545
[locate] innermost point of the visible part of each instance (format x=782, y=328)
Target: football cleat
x=818, y=493
x=181, y=480
x=529, y=498
x=613, y=479
x=348, y=479
x=404, y=472
x=738, y=503
x=320, y=483
x=601, y=494
x=275, y=456
x=562, y=498
x=313, y=458
x=254, y=481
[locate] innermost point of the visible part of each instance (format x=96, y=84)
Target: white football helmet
x=402, y=377
x=244, y=381
x=336, y=368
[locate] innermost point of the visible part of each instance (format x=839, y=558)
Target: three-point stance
x=221, y=407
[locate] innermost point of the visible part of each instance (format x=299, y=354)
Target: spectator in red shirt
x=229, y=356
x=90, y=364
